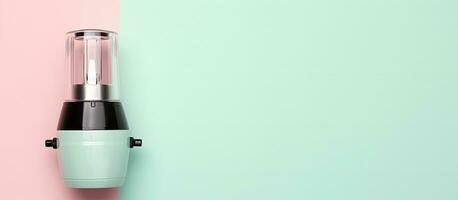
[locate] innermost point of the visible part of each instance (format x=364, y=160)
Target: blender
x=93, y=140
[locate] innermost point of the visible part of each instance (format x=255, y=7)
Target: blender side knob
x=51, y=143
x=135, y=142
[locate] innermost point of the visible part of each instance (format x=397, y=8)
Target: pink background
x=33, y=87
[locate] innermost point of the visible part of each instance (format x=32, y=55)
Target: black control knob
x=51, y=143
x=135, y=142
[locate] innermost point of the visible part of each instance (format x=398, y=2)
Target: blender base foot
x=94, y=183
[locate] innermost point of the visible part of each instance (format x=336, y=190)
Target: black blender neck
x=92, y=115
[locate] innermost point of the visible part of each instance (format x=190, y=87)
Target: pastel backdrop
x=291, y=99
x=247, y=99
x=32, y=85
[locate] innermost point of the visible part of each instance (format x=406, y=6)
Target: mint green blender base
x=93, y=159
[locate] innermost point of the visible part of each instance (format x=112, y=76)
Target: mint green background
x=285, y=99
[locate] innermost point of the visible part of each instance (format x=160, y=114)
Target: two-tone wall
x=335, y=99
